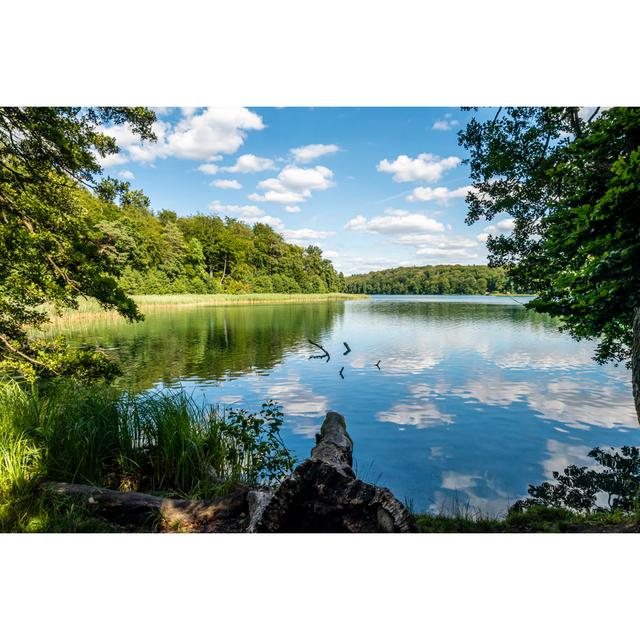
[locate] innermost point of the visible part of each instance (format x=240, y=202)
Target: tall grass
x=156, y=442
x=89, y=307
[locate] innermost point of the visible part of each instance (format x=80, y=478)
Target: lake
x=475, y=397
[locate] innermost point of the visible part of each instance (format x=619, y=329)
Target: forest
x=430, y=280
x=161, y=253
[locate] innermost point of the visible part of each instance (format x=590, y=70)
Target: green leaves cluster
x=50, y=250
x=164, y=253
x=572, y=185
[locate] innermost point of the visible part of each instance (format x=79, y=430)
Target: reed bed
x=154, y=442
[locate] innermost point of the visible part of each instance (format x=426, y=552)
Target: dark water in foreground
x=475, y=397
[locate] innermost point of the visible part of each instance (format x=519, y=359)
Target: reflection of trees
x=459, y=312
x=209, y=343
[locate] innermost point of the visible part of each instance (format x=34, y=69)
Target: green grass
x=154, y=442
x=538, y=519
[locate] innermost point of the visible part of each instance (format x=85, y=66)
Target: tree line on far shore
x=433, y=280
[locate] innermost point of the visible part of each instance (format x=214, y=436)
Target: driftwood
x=325, y=352
x=229, y=513
x=323, y=495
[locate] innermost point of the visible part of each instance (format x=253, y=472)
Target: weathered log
x=226, y=514
x=322, y=495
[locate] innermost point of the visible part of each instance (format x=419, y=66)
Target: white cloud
x=280, y=197
x=506, y=225
x=248, y=163
x=396, y=221
x=292, y=209
x=509, y=224
x=126, y=174
x=227, y=184
x=447, y=253
x=198, y=135
x=440, y=241
x=240, y=210
x=112, y=160
x=306, y=234
x=440, y=194
x=312, y=151
x=426, y=167
x=276, y=223
x=209, y=168
x=445, y=123
x=294, y=185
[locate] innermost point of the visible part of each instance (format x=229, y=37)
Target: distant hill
x=438, y=279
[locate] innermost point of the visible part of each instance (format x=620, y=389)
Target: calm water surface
x=475, y=397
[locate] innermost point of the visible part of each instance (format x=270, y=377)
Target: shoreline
x=89, y=308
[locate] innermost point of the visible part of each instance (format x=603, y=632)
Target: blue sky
x=374, y=187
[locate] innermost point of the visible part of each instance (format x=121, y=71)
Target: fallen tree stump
x=323, y=495
x=226, y=514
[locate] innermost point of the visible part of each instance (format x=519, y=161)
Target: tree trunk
x=224, y=271
x=323, y=495
x=635, y=359
x=229, y=513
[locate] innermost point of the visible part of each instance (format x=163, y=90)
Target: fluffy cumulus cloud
x=395, y=222
x=226, y=184
x=126, y=175
x=310, y=152
x=426, y=235
x=446, y=123
x=293, y=185
x=276, y=223
x=210, y=168
x=437, y=194
x=197, y=135
x=504, y=226
x=426, y=167
x=292, y=209
x=236, y=210
x=248, y=163
x=306, y=234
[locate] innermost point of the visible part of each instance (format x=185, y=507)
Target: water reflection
x=474, y=399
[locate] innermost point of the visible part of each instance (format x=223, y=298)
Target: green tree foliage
x=51, y=251
x=572, y=186
x=432, y=280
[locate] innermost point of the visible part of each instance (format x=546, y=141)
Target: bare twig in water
x=378, y=363
x=326, y=353
x=341, y=370
x=347, y=347
x=518, y=301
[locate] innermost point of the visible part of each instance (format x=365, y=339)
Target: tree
x=572, y=186
x=50, y=249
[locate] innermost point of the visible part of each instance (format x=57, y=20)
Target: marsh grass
x=156, y=442
x=88, y=308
